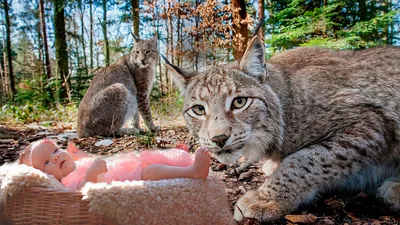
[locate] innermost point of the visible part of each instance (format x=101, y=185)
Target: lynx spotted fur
x=330, y=118
x=119, y=92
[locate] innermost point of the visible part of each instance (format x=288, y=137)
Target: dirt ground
x=358, y=208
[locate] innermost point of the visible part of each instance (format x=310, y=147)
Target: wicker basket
x=51, y=206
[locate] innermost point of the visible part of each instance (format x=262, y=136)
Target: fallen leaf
x=171, y=133
x=327, y=221
x=334, y=203
x=386, y=218
x=352, y=217
x=310, y=218
x=246, y=175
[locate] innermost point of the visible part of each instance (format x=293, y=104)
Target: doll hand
x=99, y=166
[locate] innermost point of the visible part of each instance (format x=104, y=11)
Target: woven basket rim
x=38, y=205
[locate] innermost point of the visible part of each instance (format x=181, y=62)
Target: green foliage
x=80, y=84
x=169, y=104
x=36, y=112
x=146, y=140
x=36, y=90
x=333, y=24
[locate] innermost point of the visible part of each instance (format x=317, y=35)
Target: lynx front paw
x=389, y=192
x=127, y=131
x=153, y=128
x=251, y=205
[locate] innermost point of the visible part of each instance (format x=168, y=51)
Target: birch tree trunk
x=44, y=39
x=82, y=37
x=46, y=50
x=156, y=25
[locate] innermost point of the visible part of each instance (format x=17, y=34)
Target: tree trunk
x=91, y=34
x=179, y=44
x=391, y=32
x=196, y=61
x=44, y=38
x=156, y=25
x=82, y=38
x=261, y=13
x=239, y=46
x=61, y=50
x=40, y=54
x=170, y=42
x=362, y=10
x=98, y=50
x=3, y=80
x=270, y=9
x=104, y=25
x=8, y=50
x=135, y=16
x=77, y=57
x=6, y=77
x=39, y=66
x=46, y=48
x=167, y=52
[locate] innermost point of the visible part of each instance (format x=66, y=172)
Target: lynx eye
x=238, y=103
x=148, y=52
x=137, y=52
x=199, y=110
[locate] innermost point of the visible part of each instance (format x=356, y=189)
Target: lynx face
x=229, y=110
x=144, y=53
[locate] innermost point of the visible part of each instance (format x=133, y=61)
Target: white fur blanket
x=174, y=201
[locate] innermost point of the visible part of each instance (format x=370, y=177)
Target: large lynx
x=331, y=118
x=118, y=92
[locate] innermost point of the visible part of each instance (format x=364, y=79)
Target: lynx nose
x=143, y=61
x=220, y=140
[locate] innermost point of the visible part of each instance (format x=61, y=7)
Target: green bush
x=36, y=112
x=169, y=104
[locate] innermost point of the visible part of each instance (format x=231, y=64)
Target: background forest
x=51, y=49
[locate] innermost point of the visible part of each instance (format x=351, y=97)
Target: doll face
x=50, y=159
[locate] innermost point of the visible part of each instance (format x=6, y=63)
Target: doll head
x=46, y=156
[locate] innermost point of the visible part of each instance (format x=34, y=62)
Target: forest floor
x=358, y=208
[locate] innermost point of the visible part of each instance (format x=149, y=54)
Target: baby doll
x=74, y=168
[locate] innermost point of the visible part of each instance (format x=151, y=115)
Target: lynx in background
x=330, y=118
x=119, y=92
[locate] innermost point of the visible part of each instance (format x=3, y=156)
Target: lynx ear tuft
x=180, y=76
x=253, y=60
